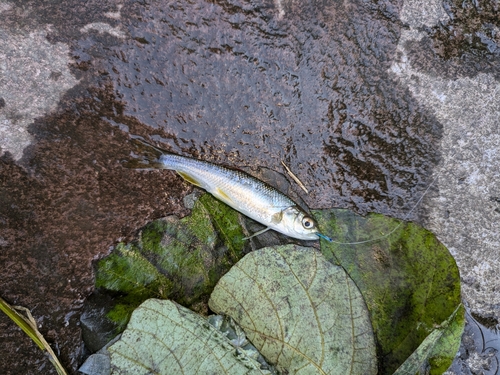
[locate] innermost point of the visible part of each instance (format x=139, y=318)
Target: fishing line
x=392, y=231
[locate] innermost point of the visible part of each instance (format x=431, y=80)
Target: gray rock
x=34, y=74
x=462, y=209
x=100, y=362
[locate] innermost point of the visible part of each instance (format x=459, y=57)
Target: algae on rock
x=179, y=259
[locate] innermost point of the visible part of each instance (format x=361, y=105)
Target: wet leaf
x=441, y=344
x=163, y=337
x=179, y=259
x=409, y=280
x=448, y=345
x=301, y=312
x=228, y=327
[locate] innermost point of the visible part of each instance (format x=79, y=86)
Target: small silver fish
x=237, y=189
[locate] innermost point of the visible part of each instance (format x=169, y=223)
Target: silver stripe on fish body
x=237, y=189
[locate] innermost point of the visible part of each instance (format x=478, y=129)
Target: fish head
x=298, y=224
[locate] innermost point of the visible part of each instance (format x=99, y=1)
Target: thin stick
x=295, y=178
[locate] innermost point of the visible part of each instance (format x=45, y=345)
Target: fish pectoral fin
x=277, y=217
x=189, y=178
x=257, y=233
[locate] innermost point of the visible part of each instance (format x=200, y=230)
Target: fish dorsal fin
x=277, y=217
x=189, y=178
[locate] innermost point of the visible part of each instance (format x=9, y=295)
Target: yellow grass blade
x=28, y=325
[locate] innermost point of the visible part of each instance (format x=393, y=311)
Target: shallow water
x=251, y=83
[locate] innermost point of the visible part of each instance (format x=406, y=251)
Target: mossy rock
x=179, y=259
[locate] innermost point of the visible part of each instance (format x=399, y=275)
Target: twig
x=295, y=178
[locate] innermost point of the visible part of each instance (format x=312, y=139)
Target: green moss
x=126, y=270
x=442, y=354
x=180, y=259
x=225, y=221
x=435, y=354
x=123, y=309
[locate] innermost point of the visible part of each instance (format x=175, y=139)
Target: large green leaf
x=409, y=280
x=163, y=337
x=180, y=259
x=301, y=312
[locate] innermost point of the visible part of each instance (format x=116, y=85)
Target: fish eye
x=307, y=223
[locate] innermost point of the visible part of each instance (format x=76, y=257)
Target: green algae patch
x=179, y=259
x=408, y=279
x=166, y=338
x=304, y=314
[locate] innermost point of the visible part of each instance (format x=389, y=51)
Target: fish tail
x=144, y=156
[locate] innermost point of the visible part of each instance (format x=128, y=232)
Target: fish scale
x=239, y=190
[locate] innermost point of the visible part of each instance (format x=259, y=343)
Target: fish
x=239, y=190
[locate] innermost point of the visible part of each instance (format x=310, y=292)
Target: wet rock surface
x=62, y=209
x=348, y=95
x=478, y=353
x=465, y=43
x=246, y=83
x=461, y=89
